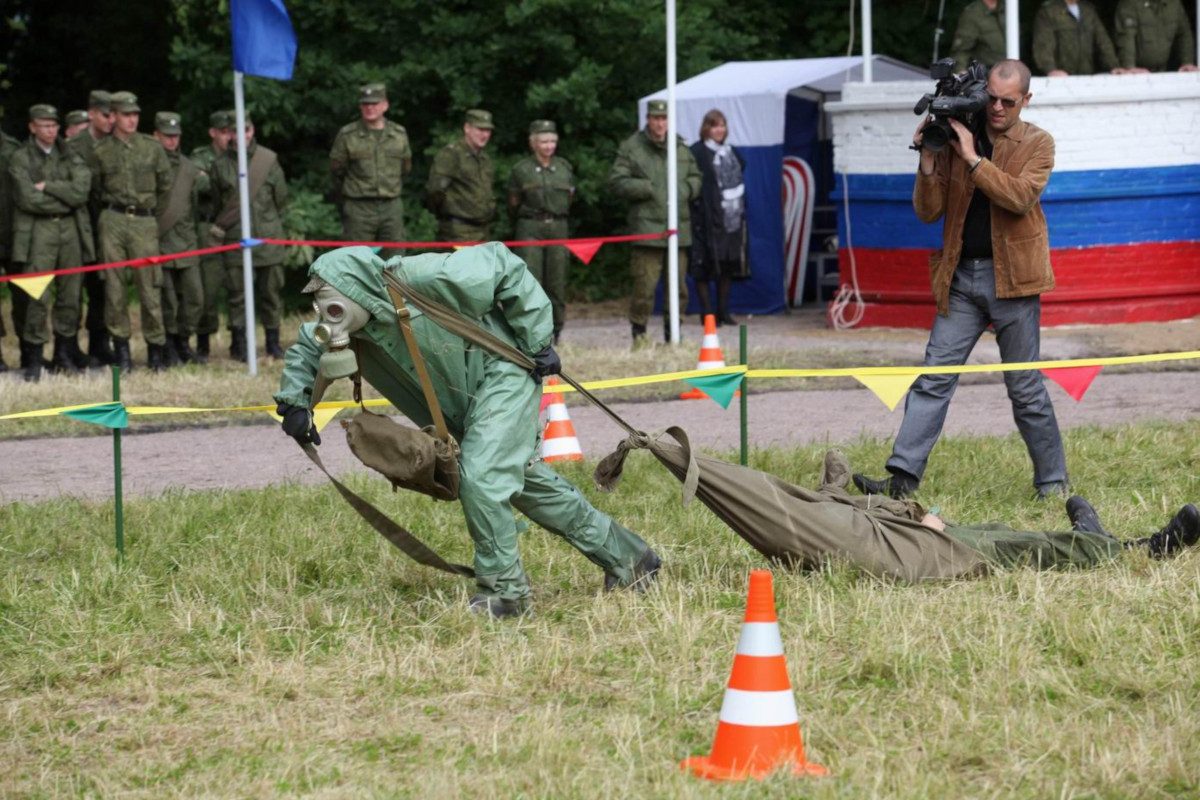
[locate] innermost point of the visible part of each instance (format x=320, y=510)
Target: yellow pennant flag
x=34, y=287
x=889, y=388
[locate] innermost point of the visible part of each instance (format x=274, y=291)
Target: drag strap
x=406, y=542
x=404, y=320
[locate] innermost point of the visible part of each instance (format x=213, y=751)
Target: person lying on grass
x=897, y=538
x=490, y=405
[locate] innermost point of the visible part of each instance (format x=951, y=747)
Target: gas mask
x=340, y=317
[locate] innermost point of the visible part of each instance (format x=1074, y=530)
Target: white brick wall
x=1098, y=122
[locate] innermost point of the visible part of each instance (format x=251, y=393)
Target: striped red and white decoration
x=559, y=442
x=711, y=356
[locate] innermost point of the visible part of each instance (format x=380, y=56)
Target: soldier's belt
x=464, y=220
x=129, y=211
x=371, y=199
x=544, y=217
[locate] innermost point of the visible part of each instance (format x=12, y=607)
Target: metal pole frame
x=673, y=276
x=1012, y=30
x=239, y=103
x=868, y=44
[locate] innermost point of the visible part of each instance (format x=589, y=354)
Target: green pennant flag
x=110, y=415
x=721, y=388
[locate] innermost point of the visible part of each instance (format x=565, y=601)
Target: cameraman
x=993, y=267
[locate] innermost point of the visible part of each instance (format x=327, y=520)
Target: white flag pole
x=868, y=43
x=673, y=276
x=1012, y=38
x=239, y=104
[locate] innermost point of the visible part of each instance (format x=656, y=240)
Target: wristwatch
x=978, y=161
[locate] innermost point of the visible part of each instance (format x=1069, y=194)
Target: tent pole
x=239, y=103
x=673, y=276
x=868, y=44
x=1012, y=30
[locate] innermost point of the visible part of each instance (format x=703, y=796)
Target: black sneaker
x=497, y=607
x=1084, y=517
x=1182, y=531
x=898, y=486
x=645, y=572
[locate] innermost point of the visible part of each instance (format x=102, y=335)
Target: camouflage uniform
x=212, y=271
x=130, y=180
x=266, y=221
x=540, y=198
x=1075, y=46
x=183, y=291
x=368, y=167
x=639, y=176
x=979, y=35
x=8, y=146
x=1154, y=34
x=459, y=190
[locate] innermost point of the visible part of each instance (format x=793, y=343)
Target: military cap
x=125, y=103
x=479, y=118
x=98, y=98
x=542, y=126
x=220, y=120
x=43, y=111
x=167, y=123
x=77, y=117
x=656, y=108
x=372, y=93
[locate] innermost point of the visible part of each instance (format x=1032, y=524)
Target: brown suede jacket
x=1013, y=179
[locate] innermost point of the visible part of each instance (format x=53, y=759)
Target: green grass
x=266, y=643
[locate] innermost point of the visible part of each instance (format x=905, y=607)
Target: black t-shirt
x=977, y=227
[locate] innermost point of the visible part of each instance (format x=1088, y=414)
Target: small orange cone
x=559, y=442
x=758, y=730
x=711, y=356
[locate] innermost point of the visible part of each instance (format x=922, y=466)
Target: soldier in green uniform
x=8, y=146
x=268, y=197
x=131, y=178
x=369, y=160
x=979, y=35
x=1070, y=39
x=100, y=124
x=212, y=269
x=639, y=176
x=1154, y=36
x=75, y=123
x=540, y=190
x=183, y=292
x=51, y=230
x=459, y=190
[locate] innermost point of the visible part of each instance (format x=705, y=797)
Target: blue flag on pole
x=264, y=43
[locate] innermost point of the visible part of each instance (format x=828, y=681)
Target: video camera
x=958, y=97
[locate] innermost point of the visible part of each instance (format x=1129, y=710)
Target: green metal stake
x=118, y=505
x=745, y=391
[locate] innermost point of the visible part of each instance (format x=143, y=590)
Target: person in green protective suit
x=490, y=404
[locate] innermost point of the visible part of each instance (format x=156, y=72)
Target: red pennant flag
x=584, y=249
x=1074, y=380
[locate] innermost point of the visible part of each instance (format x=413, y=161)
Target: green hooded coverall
x=490, y=404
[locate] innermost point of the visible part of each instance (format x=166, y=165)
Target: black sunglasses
x=1007, y=102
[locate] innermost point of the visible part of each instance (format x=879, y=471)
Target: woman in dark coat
x=718, y=252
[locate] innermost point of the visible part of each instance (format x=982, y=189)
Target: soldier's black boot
x=645, y=572
x=120, y=355
x=184, y=349
x=201, y=348
x=61, y=362
x=639, y=335
x=272, y=347
x=1083, y=517
x=156, y=357
x=237, y=344
x=77, y=356
x=170, y=356
x=898, y=486
x=99, y=352
x=1182, y=531
x=31, y=362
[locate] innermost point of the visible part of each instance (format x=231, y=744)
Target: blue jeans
x=1017, y=323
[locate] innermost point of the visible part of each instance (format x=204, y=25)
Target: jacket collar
x=1017, y=132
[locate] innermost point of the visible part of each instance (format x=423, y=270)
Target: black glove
x=546, y=363
x=298, y=424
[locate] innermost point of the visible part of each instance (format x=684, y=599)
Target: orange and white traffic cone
x=711, y=356
x=559, y=442
x=758, y=730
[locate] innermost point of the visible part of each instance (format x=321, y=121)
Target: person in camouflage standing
x=183, y=292
x=1154, y=36
x=459, y=190
x=100, y=124
x=1070, y=39
x=51, y=230
x=369, y=160
x=268, y=197
x=540, y=190
x=979, y=35
x=639, y=176
x=75, y=123
x=8, y=146
x=131, y=178
x=212, y=269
